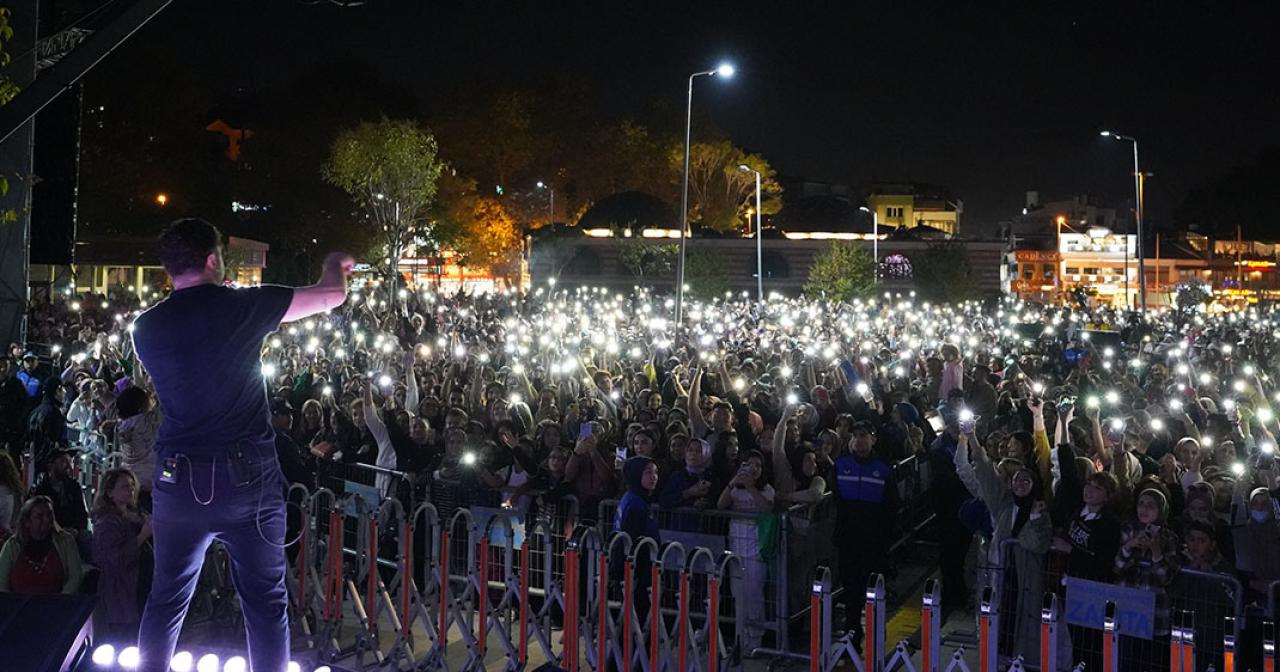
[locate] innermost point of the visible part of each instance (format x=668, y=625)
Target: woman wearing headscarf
x=635, y=518
x=1148, y=558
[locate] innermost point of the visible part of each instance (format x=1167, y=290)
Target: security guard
x=867, y=502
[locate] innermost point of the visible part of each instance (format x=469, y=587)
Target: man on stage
x=216, y=472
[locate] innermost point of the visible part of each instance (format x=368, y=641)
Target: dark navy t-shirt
x=202, y=348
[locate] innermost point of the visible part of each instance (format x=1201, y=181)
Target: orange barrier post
x=1110, y=651
x=930, y=633
x=1229, y=645
x=1268, y=646
x=1049, y=634
x=873, y=643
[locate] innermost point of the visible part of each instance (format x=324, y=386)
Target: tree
x=390, y=169
x=704, y=274
x=942, y=273
x=721, y=193
x=8, y=89
x=843, y=272
x=643, y=258
x=479, y=229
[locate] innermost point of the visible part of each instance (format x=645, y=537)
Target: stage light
x=104, y=655
x=294, y=667
x=182, y=661
x=235, y=664
x=207, y=663
x=128, y=658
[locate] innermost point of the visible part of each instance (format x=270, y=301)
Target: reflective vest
x=861, y=482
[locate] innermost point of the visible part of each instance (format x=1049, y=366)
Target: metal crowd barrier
x=713, y=530
x=914, y=479
x=445, y=593
x=1206, y=607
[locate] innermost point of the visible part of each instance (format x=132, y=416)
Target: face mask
x=1259, y=516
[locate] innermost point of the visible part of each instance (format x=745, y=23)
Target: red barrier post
x=372, y=567
x=602, y=627
x=406, y=580
x=524, y=602
x=571, y=610
x=1229, y=645
x=1268, y=646
x=684, y=620
x=482, y=597
x=713, y=632
x=1110, y=652
x=627, y=606
x=443, y=626
x=1049, y=634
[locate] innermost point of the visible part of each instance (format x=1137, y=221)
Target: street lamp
x=1137, y=195
x=875, y=240
x=759, y=237
x=551, y=206
x=724, y=70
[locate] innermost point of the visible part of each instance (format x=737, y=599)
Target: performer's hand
x=340, y=261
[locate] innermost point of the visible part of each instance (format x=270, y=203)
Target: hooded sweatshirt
x=634, y=514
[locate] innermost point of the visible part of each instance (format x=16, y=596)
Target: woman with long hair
x=11, y=495
x=749, y=492
x=120, y=535
x=41, y=557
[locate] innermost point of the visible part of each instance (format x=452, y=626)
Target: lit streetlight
x=1137, y=210
x=162, y=199
x=551, y=205
x=759, y=237
x=875, y=240
x=724, y=70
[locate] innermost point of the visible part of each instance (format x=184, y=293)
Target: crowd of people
x=1132, y=446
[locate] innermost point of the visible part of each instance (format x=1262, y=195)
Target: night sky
x=989, y=102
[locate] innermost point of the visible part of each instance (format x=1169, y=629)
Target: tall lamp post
x=551, y=204
x=1137, y=210
x=875, y=240
x=759, y=237
x=724, y=70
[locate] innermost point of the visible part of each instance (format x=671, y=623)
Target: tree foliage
x=8, y=89
x=646, y=259
x=942, y=273
x=476, y=227
x=390, y=169
x=704, y=274
x=721, y=193
x=843, y=272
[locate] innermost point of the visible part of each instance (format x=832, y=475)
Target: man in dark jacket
x=56, y=483
x=948, y=494
x=866, y=501
x=47, y=425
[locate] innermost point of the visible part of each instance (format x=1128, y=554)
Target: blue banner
x=1087, y=607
